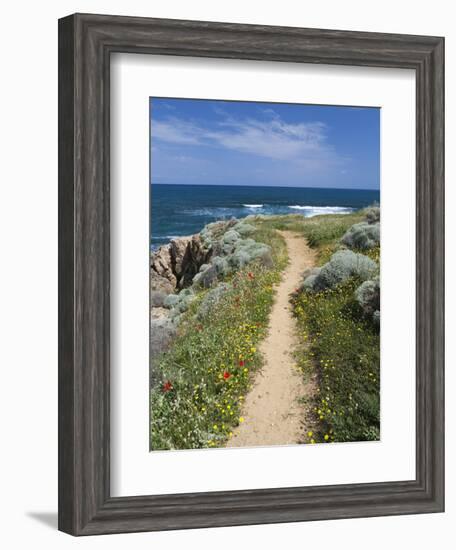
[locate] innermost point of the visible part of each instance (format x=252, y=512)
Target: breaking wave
x=309, y=211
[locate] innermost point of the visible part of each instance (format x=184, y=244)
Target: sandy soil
x=272, y=412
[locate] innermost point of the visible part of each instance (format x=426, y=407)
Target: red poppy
x=226, y=375
x=241, y=363
x=250, y=275
x=167, y=386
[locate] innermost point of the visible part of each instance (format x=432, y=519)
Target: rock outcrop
x=173, y=266
x=159, y=283
x=161, y=264
x=188, y=254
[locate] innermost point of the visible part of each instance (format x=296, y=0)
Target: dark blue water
x=178, y=210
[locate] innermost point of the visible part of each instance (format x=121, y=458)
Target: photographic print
x=264, y=274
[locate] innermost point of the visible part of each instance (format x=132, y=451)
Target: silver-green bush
x=255, y=251
x=227, y=249
x=368, y=296
x=342, y=265
x=231, y=249
x=230, y=237
x=310, y=279
x=373, y=214
x=171, y=301
x=205, y=279
x=244, y=229
x=239, y=259
x=362, y=236
x=212, y=298
x=178, y=303
x=222, y=266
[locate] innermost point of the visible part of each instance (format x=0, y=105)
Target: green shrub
x=171, y=301
x=244, y=229
x=211, y=299
x=247, y=243
x=178, y=303
x=222, y=266
x=368, y=296
x=310, y=281
x=239, y=259
x=372, y=214
x=231, y=249
x=206, y=278
x=256, y=251
x=230, y=237
x=343, y=265
x=362, y=236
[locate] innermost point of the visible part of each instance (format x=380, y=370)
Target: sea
x=179, y=210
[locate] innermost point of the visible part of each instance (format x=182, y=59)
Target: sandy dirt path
x=272, y=412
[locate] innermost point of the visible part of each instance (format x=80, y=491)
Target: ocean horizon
x=182, y=209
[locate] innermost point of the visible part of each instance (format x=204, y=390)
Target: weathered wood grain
x=85, y=45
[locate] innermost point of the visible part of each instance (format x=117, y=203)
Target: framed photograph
x=251, y=274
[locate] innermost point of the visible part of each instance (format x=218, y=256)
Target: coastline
x=181, y=210
x=212, y=297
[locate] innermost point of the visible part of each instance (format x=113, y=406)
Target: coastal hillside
x=265, y=330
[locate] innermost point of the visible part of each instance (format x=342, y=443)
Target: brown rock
x=188, y=255
x=174, y=265
x=179, y=253
x=161, y=263
x=159, y=283
x=159, y=312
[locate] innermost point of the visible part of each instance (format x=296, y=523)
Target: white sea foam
x=253, y=205
x=310, y=211
x=214, y=211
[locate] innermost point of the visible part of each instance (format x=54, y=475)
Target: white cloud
x=272, y=138
x=175, y=131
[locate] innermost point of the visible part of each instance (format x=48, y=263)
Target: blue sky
x=248, y=143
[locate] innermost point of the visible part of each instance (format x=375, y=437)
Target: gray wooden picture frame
x=85, y=45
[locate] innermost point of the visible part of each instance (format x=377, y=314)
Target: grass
x=209, y=368
x=345, y=347
x=322, y=232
